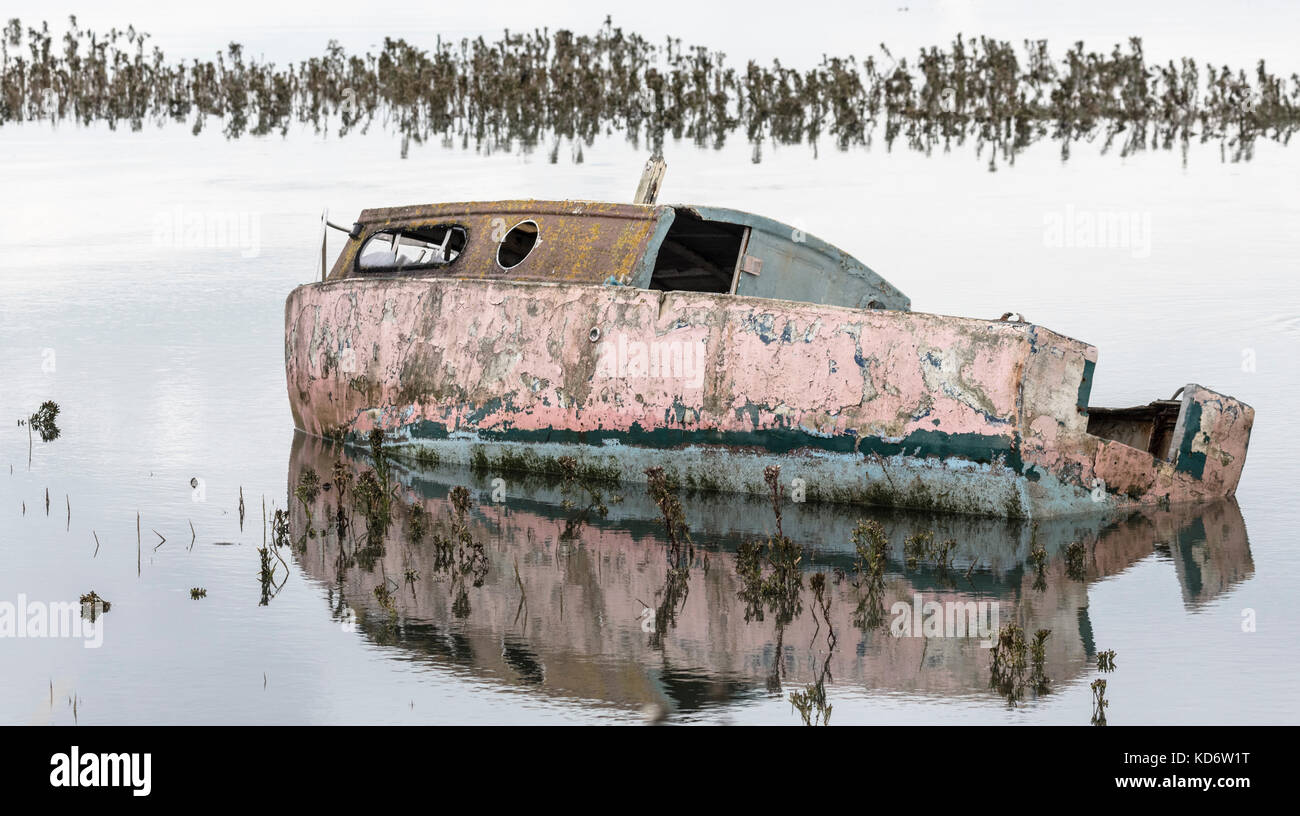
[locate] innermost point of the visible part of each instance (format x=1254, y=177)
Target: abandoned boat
x=711, y=342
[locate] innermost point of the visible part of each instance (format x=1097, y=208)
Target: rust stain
x=580, y=241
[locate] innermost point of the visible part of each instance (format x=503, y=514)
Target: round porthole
x=517, y=244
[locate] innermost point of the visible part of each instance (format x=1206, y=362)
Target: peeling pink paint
x=502, y=359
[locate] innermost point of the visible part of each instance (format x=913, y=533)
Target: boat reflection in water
x=536, y=589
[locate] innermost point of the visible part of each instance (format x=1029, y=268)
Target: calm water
x=166, y=356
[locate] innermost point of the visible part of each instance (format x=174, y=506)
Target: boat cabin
x=658, y=247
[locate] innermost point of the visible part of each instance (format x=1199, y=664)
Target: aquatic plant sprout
x=542, y=88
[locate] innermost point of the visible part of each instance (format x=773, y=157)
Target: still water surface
x=166, y=357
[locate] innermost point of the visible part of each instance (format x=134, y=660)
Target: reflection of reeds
x=1099, y=702
x=920, y=546
x=811, y=703
x=268, y=575
x=680, y=553
x=1009, y=659
x=1038, y=558
x=308, y=488
x=459, y=553
x=577, y=478
x=772, y=583
x=1075, y=566
x=526, y=90
x=872, y=558
x=1012, y=655
x=1038, y=659
x=769, y=571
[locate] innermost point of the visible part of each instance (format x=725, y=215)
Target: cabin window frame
x=413, y=268
x=740, y=260
x=537, y=239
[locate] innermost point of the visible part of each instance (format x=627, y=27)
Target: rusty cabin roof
x=596, y=242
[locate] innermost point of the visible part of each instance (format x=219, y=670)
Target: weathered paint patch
x=581, y=241
x=1191, y=447
x=1085, y=386
x=508, y=363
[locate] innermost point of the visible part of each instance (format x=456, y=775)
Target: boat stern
x=1174, y=450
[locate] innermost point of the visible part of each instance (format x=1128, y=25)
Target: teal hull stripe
x=922, y=443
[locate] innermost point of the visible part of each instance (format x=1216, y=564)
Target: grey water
x=142, y=284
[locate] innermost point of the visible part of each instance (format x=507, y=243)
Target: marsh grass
x=871, y=547
x=1038, y=558
x=541, y=89
x=578, y=480
x=1008, y=662
x=811, y=703
x=458, y=553
x=273, y=571
x=1076, y=561
x=769, y=569
x=680, y=554
x=373, y=497
x=44, y=422
x=306, y=492
x=1038, y=661
x=920, y=547
x=93, y=605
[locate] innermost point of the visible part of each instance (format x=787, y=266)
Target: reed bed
x=539, y=89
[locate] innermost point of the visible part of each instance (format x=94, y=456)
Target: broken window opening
x=698, y=256
x=412, y=248
x=1148, y=428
